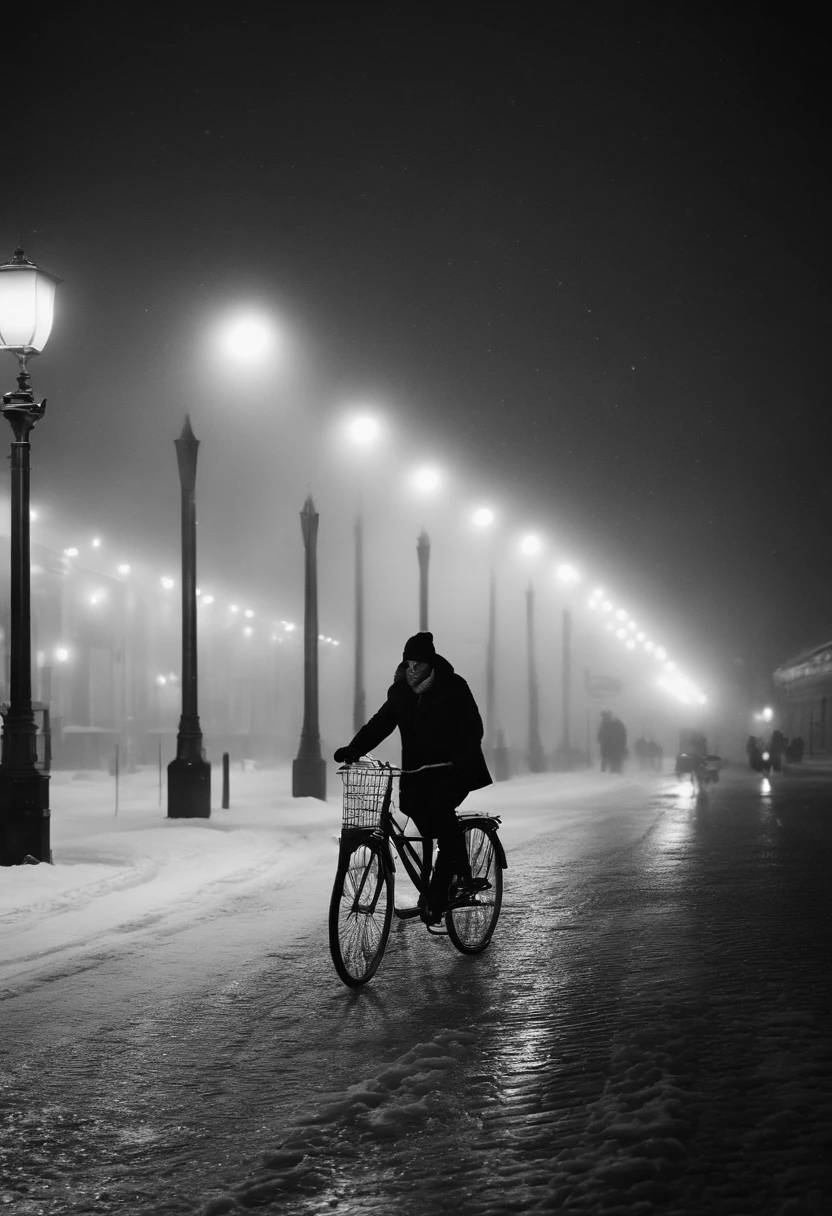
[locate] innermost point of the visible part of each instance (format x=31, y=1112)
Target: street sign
x=601, y=688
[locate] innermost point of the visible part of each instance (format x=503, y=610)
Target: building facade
x=804, y=684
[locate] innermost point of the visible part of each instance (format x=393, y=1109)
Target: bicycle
x=703, y=770
x=362, y=906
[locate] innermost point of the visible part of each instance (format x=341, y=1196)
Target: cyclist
x=438, y=721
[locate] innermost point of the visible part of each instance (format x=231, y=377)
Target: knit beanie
x=420, y=647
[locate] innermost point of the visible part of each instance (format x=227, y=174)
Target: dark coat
x=442, y=723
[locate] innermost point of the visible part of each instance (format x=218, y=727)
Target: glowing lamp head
x=124, y=568
x=167, y=583
x=426, y=480
x=768, y=714
x=567, y=573
x=249, y=337
x=364, y=430
x=530, y=545
x=27, y=300
x=483, y=517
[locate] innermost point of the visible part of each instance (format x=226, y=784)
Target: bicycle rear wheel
x=360, y=913
x=471, y=926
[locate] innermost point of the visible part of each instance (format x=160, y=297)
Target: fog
x=274, y=428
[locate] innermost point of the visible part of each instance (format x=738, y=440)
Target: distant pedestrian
x=777, y=748
x=606, y=739
x=619, y=745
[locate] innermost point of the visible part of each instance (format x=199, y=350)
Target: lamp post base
x=189, y=789
x=309, y=777
x=24, y=816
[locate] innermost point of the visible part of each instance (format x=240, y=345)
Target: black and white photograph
x=415, y=616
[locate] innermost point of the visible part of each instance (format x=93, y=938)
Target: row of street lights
x=26, y=311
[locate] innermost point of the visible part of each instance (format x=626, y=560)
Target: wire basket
x=365, y=787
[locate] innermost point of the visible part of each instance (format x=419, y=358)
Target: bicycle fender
x=490, y=828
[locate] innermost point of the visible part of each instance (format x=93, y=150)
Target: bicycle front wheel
x=471, y=926
x=360, y=913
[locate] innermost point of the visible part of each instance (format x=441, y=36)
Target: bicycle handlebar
x=399, y=772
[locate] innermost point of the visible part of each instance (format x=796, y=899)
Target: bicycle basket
x=364, y=789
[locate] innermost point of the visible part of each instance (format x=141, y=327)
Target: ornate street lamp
x=189, y=773
x=309, y=767
x=27, y=296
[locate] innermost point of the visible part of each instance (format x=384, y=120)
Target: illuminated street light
x=249, y=337
x=364, y=430
x=567, y=573
x=530, y=545
x=167, y=583
x=27, y=297
x=61, y=654
x=426, y=479
x=124, y=568
x=483, y=517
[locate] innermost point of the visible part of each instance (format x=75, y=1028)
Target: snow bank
x=118, y=873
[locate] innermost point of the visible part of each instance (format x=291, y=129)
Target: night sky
x=588, y=256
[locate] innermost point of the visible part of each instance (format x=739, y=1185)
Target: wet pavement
x=650, y=1031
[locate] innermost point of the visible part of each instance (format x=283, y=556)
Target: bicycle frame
x=390, y=832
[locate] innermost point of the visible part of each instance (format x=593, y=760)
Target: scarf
x=425, y=685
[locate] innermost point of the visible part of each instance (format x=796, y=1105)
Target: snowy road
x=649, y=1031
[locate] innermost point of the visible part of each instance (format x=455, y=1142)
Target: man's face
x=416, y=672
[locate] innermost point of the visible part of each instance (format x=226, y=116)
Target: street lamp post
x=423, y=553
x=26, y=307
x=496, y=749
x=537, y=762
x=491, y=662
x=566, y=685
x=189, y=773
x=359, y=709
x=309, y=768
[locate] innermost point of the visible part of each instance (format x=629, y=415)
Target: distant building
x=805, y=686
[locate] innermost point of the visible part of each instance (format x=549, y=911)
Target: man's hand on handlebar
x=347, y=755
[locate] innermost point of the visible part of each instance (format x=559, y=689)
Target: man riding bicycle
x=439, y=722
